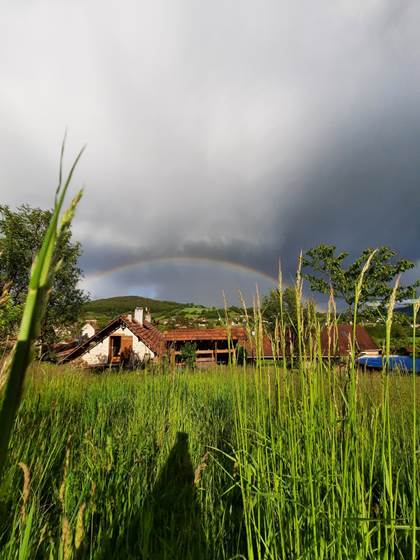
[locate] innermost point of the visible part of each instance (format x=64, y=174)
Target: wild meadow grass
x=237, y=462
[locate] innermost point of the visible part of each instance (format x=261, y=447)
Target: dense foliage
x=10, y=315
x=277, y=306
x=21, y=234
x=325, y=269
x=188, y=354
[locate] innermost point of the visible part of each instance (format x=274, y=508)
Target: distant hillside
x=123, y=304
x=167, y=314
x=105, y=309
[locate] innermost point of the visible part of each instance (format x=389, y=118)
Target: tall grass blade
x=36, y=300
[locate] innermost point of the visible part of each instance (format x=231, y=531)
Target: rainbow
x=139, y=262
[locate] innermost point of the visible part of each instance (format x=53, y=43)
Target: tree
x=10, y=314
x=271, y=307
x=21, y=234
x=327, y=270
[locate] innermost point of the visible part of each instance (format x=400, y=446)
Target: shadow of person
x=171, y=517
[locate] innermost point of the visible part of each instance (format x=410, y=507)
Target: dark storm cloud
x=235, y=131
x=363, y=192
x=366, y=191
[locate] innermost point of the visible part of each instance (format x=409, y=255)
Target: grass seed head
x=200, y=469
x=80, y=529
x=26, y=487
x=66, y=539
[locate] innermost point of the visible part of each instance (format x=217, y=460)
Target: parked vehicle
x=397, y=362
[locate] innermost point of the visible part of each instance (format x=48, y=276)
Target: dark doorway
x=120, y=347
x=114, y=349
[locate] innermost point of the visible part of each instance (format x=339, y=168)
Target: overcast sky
x=238, y=131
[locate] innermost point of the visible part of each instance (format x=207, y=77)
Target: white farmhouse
x=125, y=337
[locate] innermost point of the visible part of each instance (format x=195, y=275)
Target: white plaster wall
x=99, y=354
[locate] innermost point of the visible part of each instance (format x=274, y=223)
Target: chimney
x=88, y=329
x=148, y=316
x=138, y=315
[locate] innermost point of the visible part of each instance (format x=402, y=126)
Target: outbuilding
x=212, y=346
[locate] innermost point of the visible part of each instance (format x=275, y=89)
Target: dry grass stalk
x=200, y=469
x=389, y=317
x=26, y=488
x=332, y=324
x=62, y=493
x=66, y=539
x=4, y=296
x=80, y=529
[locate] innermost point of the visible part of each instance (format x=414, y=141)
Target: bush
x=188, y=354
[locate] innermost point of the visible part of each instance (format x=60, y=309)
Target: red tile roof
x=269, y=347
x=148, y=333
x=341, y=345
x=265, y=347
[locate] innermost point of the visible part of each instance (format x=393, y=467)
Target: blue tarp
x=402, y=363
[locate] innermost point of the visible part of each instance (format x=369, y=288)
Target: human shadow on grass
x=169, y=525
x=171, y=521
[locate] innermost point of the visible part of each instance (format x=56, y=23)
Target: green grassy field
x=230, y=463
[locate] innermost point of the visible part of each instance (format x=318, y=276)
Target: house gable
x=102, y=353
x=146, y=340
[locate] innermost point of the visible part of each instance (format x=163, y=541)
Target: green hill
x=105, y=309
x=123, y=304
